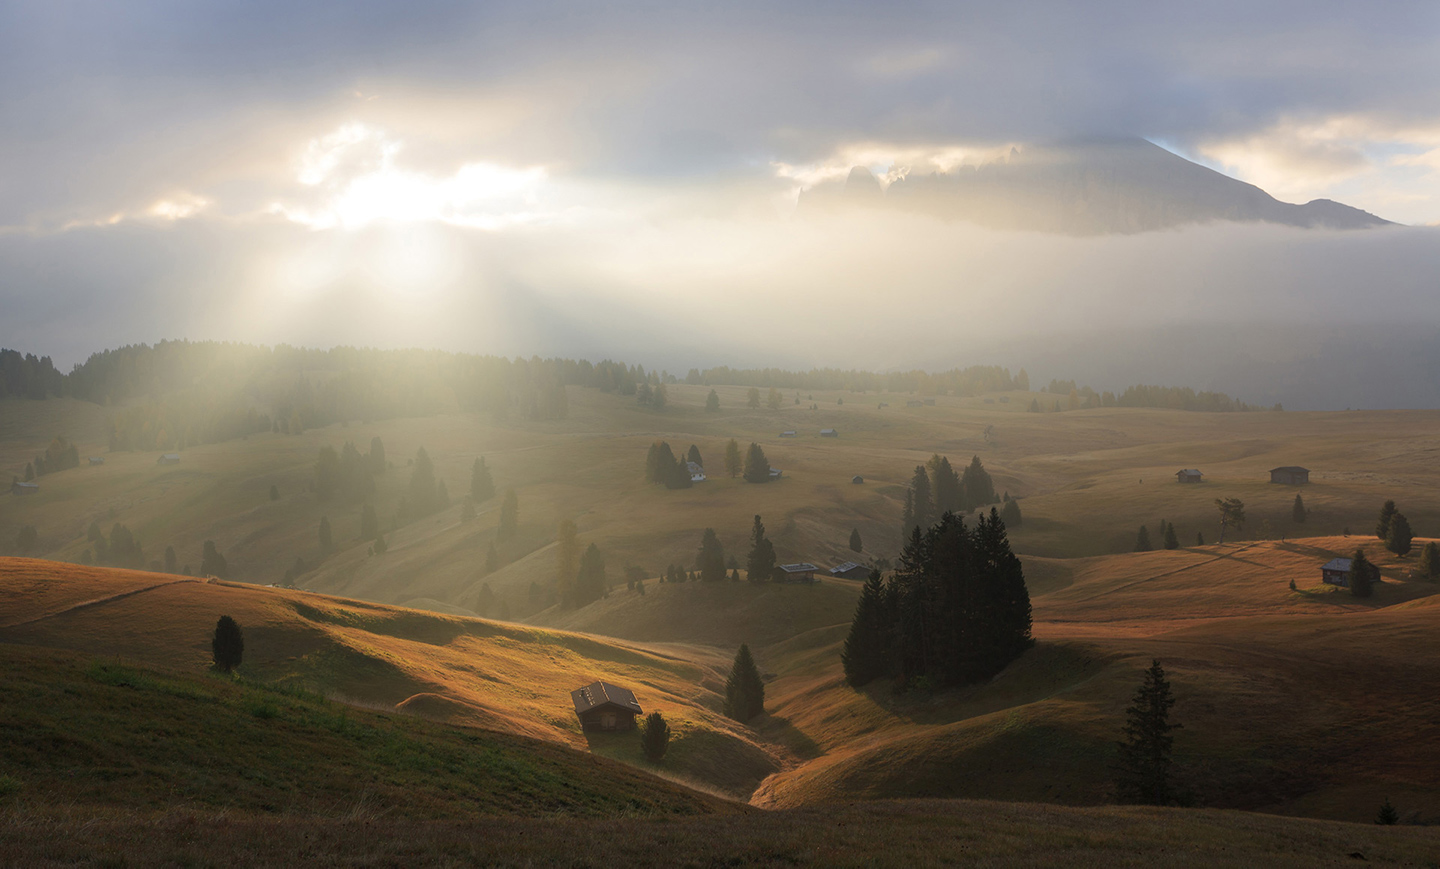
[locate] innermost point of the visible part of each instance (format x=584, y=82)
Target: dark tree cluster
x=425, y=494
x=757, y=466
x=936, y=489
x=956, y=612
x=760, y=563
x=664, y=469
x=1394, y=529
x=1364, y=575
x=482, y=485
x=28, y=376
x=60, y=455
x=121, y=549
x=958, y=381
x=350, y=474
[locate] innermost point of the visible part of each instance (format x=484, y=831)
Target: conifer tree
x=1399, y=538
x=509, y=517
x=693, y=455
x=734, y=464
x=1382, y=528
x=1171, y=540
x=712, y=402
x=659, y=398
x=856, y=544
x=1142, y=765
x=773, y=399
x=377, y=455
x=944, y=485
x=1363, y=575
x=865, y=655
x=325, y=539
x=1297, y=510
x=1387, y=816
x=654, y=732
x=757, y=467
x=1232, y=514
x=711, y=560
x=761, y=561
x=1142, y=540
x=1199, y=538
x=1430, y=561
x=482, y=485
x=492, y=559
x=590, y=582
x=380, y=546
x=422, y=492
x=227, y=645
x=744, y=691
x=1010, y=514
x=212, y=563
x=752, y=398
x=171, y=562
x=922, y=507
x=977, y=489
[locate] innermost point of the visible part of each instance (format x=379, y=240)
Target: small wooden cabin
x=1336, y=571
x=168, y=459
x=1290, y=475
x=18, y=488
x=1189, y=475
x=790, y=434
x=857, y=479
x=602, y=706
x=97, y=460
x=829, y=433
x=697, y=473
x=802, y=572
x=914, y=402
x=850, y=570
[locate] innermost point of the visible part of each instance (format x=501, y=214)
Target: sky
x=619, y=179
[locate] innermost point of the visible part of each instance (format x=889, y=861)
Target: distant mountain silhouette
x=1085, y=188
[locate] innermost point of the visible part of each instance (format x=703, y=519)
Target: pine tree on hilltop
x=227, y=645
x=1171, y=540
x=866, y=651
x=1363, y=575
x=1297, y=510
x=734, y=464
x=856, y=545
x=1142, y=765
x=757, y=467
x=1430, y=561
x=1382, y=528
x=1142, y=540
x=1387, y=816
x=482, y=485
x=760, y=563
x=654, y=732
x=922, y=506
x=744, y=690
x=172, y=563
x=1400, y=538
x=711, y=560
x=212, y=563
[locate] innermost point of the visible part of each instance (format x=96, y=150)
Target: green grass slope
x=96, y=736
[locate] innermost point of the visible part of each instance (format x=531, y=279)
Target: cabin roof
x=1190, y=472
x=1340, y=564
x=845, y=568
x=1293, y=468
x=801, y=567
x=598, y=694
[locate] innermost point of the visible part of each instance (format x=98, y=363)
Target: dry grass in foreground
x=906, y=833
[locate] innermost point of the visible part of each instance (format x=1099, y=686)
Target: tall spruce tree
x=734, y=464
x=590, y=582
x=744, y=690
x=711, y=560
x=227, y=645
x=760, y=563
x=1143, y=762
x=1142, y=540
x=944, y=485
x=1399, y=538
x=693, y=455
x=654, y=732
x=212, y=563
x=482, y=485
x=172, y=564
x=757, y=467
x=1171, y=540
x=1430, y=561
x=1382, y=527
x=1363, y=575
x=1010, y=514
x=712, y=402
x=866, y=653
x=922, y=505
x=422, y=491
x=1297, y=510
x=977, y=489
x=856, y=544
x=376, y=455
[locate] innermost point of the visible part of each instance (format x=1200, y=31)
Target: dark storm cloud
x=106, y=103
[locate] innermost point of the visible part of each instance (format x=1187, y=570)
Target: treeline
x=957, y=381
x=955, y=613
x=1140, y=395
x=28, y=377
x=60, y=455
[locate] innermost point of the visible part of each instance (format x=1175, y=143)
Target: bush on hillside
x=227, y=645
x=655, y=734
x=1399, y=538
x=1382, y=527
x=1430, y=561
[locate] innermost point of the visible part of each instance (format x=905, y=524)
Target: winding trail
x=97, y=602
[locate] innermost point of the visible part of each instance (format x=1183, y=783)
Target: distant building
x=789, y=434
x=850, y=570
x=930, y=402
x=697, y=473
x=775, y=473
x=168, y=459
x=602, y=706
x=1004, y=399
x=1189, y=475
x=97, y=460
x=802, y=572
x=1336, y=571
x=1290, y=475
x=829, y=433
x=18, y=488
x=882, y=405
x=857, y=479
x=914, y=402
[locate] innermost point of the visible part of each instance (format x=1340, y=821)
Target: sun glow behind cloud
x=353, y=179
x=888, y=161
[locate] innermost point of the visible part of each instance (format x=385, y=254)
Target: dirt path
x=97, y=602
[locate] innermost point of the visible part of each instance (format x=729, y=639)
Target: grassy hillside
x=1087, y=480
x=109, y=739
x=469, y=671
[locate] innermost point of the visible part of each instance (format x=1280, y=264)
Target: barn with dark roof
x=602, y=706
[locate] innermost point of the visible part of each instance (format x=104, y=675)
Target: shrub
x=228, y=644
x=654, y=737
